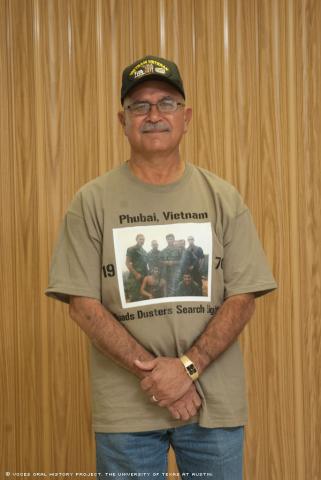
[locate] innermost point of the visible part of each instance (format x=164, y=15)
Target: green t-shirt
x=101, y=224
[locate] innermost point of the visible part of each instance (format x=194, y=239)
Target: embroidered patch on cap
x=148, y=67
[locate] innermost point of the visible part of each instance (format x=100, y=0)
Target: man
x=193, y=260
x=173, y=373
x=136, y=262
x=153, y=256
x=187, y=287
x=170, y=261
x=196, y=259
x=153, y=285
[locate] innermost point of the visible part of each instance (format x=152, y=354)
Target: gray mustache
x=154, y=127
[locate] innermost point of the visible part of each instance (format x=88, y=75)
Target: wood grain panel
x=270, y=225
x=66, y=108
x=276, y=234
x=8, y=299
x=242, y=167
x=177, y=42
x=114, y=20
x=308, y=50
x=252, y=73
x=208, y=89
x=27, y=403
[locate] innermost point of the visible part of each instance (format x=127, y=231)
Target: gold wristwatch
x=190, y=367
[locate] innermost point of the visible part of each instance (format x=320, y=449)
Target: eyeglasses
x=166, y=105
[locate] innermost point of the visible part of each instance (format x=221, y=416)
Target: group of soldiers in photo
x=176, y=271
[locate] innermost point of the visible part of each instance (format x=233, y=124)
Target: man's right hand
x=113, y=340
x=187, y=406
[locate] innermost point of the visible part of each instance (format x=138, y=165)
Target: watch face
x=191, y=369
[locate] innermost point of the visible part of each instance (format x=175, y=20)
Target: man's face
x=155, y=271
x=190, y=241
x=168, y=128
x=140, y=239
x=154, y=244
x=187, y=279
x=170, y=241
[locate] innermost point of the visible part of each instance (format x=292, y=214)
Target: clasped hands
x=167, y=383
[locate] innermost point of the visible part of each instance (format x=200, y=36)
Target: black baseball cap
x=150, y=68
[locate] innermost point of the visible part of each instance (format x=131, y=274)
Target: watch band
x=190, y=367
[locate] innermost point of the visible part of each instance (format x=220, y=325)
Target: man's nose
x=153, y=113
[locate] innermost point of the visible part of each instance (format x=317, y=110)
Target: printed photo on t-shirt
x=163, y=263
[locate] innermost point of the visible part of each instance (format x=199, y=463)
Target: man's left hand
x=167, y=380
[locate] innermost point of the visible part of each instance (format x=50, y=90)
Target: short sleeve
x=245, y=266
x=76, y=263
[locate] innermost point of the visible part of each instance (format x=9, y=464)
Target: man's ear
x=121, y=118
x=187, y=117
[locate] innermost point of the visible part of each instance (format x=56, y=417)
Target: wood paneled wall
x=252, y=71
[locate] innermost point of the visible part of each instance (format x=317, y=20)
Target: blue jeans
x=200, y=452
